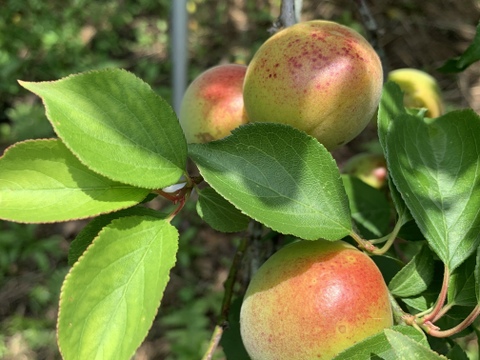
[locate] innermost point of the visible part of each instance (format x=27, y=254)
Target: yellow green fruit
x=213, y=104
x=421, y=90
x=311, y=300
x=318, y=76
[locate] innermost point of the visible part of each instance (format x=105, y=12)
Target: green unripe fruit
x=311, y=300
x=318, y=76
x=213, y=104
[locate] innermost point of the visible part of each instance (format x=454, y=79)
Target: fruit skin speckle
x=318, y=76
x=311, y=300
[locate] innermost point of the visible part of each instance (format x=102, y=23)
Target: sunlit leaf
x=116, y=125
x=110, y=297
x=86, y=236
x=42, y=181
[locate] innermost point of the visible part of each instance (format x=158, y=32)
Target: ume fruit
x=213, y=104
x=318, y=76
x=311, y=300
x=421, y=90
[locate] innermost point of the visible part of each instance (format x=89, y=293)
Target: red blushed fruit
x=311, y=300
x=318, y=76
x=213, y=104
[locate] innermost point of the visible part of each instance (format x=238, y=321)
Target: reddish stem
x=181, y=203
x=442, y=312
x=435, y=331
x=173, y=197
x=433, y=315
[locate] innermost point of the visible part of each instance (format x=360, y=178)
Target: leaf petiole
x=433, y=315
x=436, y=332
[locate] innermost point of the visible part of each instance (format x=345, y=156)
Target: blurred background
x=49, y=39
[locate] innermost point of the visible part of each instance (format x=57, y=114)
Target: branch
x=373, y=32
x=222, y=322
x=214, y=341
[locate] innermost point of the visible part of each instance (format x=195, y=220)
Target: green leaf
x=378, y=347
x=110, y=297
x=406, y=348
x=390, y=107
x=369, y=206
x=470, y=56
x=219, y=213
x=434, y=164
x=116, y=125
x=423, y=301
x=477, y=276
x=42, y=181
x=415, y=277
x=86, y=236
x=457, y=353
x=403, y=214
x=280, y=177
x=461, y=288
x=427, y=298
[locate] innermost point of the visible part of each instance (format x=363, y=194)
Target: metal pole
x=298, y=10
x=179, y=46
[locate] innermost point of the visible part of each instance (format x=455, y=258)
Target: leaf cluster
x=120, y=144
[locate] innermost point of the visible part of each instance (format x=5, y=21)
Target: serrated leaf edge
x=75, y=265
x=25, y=84
x=19, y=143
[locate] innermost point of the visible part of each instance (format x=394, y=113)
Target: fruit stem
x=222, y=322
x=181, y=203
x=442, y=312
x=441, y=299
x=390, y=240
x=380, y=240
x=362, y=243
x=434, y=331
